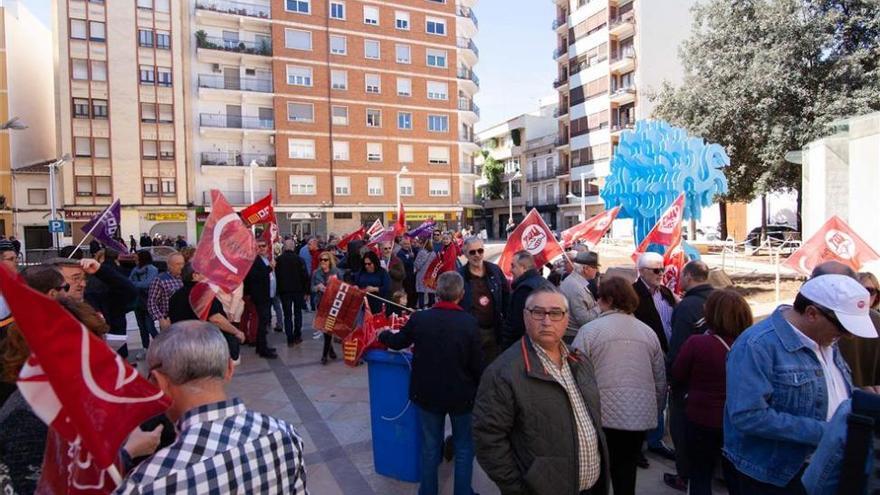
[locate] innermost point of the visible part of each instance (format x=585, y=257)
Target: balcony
x=575, y=68
x=263, y=47
x=559, y=82
x=561, y=141
x=468, y=44
x=624, y=95
x=216, y=81
x=468, y=75
x=468, y=106
x=236, y=8
x=238, y=198
x=543, y=204
x=236, y=159
x=622, y=25
x=542, y=174
x=623, y=62
x=623, y=125
x=560, y=51
x=559, y=22
x=468, y=168
x=468, y=13
x=559, y=112
x=235, y=122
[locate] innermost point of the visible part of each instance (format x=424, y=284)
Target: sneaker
x=317, y=335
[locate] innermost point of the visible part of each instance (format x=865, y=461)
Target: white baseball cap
x=845, y=297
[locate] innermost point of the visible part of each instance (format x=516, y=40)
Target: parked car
x=160, y=257
x=777, y=232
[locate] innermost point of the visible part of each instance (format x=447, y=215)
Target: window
x=373, y=83
x=405, y=153
x=337, y=10
x=438, y=90
x=80, y=108
x=169, y=187
x=149, y=150
x=78, y=29
x=300, y=6
x=374, y=152
x=438, y=155
x=101, y=148
x=166, y=150
x=37, y=196
x=404, y=54
x=401, y=20
x=79, y=69
x=338, y=45
x=145, y=4
x=298, y=40
x=163, y=76
x=371, y=49
x=374, y=117
x=299, y=76
x=438, y=123
x=435, y=26
x=340, y=150
x=163, y=40
x=338, y=79
x=342, y=186
x=163, y=6
x=436, y=58
x=151, y=187
x=340, y=115
x=371, y=15
x=99, y=109
x=375, y=186
x=404, y=86
x=147, y=75
x=300, y=112
x=404, y=120
x=438, y=187
x=84, y=186
x=82, y=147
x=166, y=113
x=302, y=185
x=99, y=70
x=407, y=185
x=301, y=149
x=97, y=31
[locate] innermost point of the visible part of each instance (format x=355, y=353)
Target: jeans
x=703, y=451
x=328, y=346
x=432, y=450
x=624, y=449
x=677, y=421
x=276, y=306
x=292, y=328
x=750, y=486
x=146, y=325
x=655, y=436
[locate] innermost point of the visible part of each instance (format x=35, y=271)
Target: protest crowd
x=556, y=377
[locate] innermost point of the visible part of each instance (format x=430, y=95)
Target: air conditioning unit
x=216, y=68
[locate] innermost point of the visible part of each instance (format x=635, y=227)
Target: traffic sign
x=56, y=226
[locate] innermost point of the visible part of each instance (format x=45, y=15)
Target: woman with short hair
x=374, y=280
x=320, y=279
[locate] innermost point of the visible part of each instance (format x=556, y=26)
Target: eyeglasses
x=63, y=288
x=872, y=291
x=368, y=263
x=325, y=259
x=477, y=251
x=657, y=271
x=538, y=314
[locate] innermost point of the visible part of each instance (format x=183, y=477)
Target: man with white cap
x=786, y=378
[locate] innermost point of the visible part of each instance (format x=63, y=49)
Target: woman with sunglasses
x=630, y=373
x=863, y=355
x=320, y=279
x=374, y=279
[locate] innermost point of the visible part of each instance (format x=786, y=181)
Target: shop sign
x=80, y=214
x=167, y=216
x=421, y=216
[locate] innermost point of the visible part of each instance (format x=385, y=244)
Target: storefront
x=167, y=224
x=445, y=220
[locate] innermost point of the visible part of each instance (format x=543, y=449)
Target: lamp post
x=403, y=170
x=582, y=197
x=516, y=176
x=52, y=169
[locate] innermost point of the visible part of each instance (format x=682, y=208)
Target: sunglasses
x=368, y=263
x=63, y=288
x=657, y=271
x=474, y=252
x=325, y=259
x=830, y=316
x=872, y=291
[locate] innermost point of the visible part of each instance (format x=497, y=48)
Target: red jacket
x=699, y=368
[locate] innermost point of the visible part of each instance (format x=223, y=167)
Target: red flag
x=200, y=298
x=76, y=384
x=400, y=225
x=591, y=230
x=357, y=235
x=835, y=241
x=667, y=230
x=260, y=212
x=531, y=235
x=269, y=236
x=442, y=263
x=673, y=262
x=227, y=248
x=340, y=305
x=364, y=337
x=375, y=229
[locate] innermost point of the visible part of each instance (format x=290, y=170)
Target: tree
x=763, y=77
x=493, y=170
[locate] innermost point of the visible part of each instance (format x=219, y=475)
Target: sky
x=516, y=65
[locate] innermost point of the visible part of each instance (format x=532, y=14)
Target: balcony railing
x=469, y=75
x=235, y=121
x=623, y=55
x=623, y=124
x=548, y=201
x=559, y=51
x=560, y=81
x=236, y=159
x=237, y=198
x=628, y=17
x=237, y=8
x=216, y=81
x=562, y=141
x=263, y=47
x=468, y=168
x=560, y=111
x=469, y=13
x=575, y=68
x=468, y=105
x=467, y=138
x=543, y=174
x=467, y=44
x=559, y=22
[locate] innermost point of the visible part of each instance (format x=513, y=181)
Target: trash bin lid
x=388, y=357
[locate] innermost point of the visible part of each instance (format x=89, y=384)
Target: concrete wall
x=825, y=181
x=864, y=177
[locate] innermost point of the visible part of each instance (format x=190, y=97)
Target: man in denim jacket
x=786, y=378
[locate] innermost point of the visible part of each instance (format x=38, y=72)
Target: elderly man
x=260, y=285
x=537, y=425
x=445, y=337
x=294, y=283
x=241, y=450
x=163, y=287
x=576, y=289
x=526, y=278
x=486, y=295
x=74, y=276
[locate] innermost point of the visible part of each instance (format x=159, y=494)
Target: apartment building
x=120, y=113
x=611, y=55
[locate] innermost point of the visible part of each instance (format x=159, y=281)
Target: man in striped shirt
x=163, y=287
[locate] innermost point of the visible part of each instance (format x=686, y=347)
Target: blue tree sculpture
x=656, y=162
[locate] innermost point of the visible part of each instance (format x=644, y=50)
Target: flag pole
x=389, y=302
x=98, y=221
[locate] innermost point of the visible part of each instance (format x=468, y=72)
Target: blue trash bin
x=394, y=420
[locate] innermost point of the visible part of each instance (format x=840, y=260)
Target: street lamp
x=52, y=169
x=582, y=197
x=516, y=176
x=403, y=170
x=14, y=124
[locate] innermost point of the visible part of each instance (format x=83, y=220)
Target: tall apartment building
x=611, y=54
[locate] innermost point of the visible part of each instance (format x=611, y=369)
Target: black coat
x=499, y=288
x=445, y=338
x=687, y=319
x=111, y=293
x=291, y=274
x=256, y=283
x=522, y=287
x=647, y=312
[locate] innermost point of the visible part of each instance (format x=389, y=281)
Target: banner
x=261, y=211
x=591, y=230
x=673, y=262
x=667, y=230
x=835, y=241
x=357, y=235
x=531, y=235
x=375, y=229
x=227, y=248
x=105, y=228
x=364, y=337
x=423, y=231
x=339, y=308
x=442, y=263
x=270, y=236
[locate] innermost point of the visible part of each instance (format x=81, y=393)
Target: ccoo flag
x=531, y=235
x=835, y=241
x=105, y=228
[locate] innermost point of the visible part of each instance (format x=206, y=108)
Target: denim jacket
x=777, y=401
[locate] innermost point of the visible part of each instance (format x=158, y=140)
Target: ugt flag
x=227, y=248
x=590, y=230
x=667, y=230
x=673, y=262
x=338, y=311
x=260, y=212
x=83, y=390
x=105, y=227
x=357, y=235
x=531, y=235
x=835, y=241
